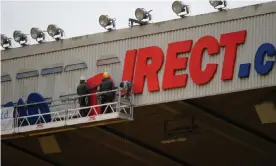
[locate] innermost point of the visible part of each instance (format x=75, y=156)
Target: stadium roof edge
x=137, y=31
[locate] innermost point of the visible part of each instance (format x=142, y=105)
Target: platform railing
x=66, y=111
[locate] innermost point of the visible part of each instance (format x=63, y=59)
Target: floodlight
x=5, y=41
x=179, y=7
x=141, y=15
x=218, y=4
x=55, y=32
x=20, y=37
x=105, y=21
x=37, y=34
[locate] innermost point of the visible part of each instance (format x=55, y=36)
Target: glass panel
x=5, y=78
x=51, y=70
x=108, y=61
x=75, y=66
x=27, y=74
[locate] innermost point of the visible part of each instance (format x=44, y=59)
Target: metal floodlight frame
x=111, y=23
x=7, y=41
x=148, y=16
x=42, y=34
x=185, y=9
x=220, y=7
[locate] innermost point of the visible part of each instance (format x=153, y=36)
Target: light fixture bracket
x=131, y=22
x=185, y=12
x=112, y=26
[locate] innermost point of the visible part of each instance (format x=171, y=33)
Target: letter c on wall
x=262, y=67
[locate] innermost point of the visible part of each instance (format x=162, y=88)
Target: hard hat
x=105, y=75
x=82, y=78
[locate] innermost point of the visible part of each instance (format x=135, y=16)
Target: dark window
x=27, y=74
x=52, y=70
x=5, y=78
x=108, y=61
x=75, y=66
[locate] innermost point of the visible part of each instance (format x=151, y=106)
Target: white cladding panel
x=260, y=29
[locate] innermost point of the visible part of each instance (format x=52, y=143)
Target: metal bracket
x=131, y=21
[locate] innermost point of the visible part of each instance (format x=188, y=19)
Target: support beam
x=207, y=127
x=114, y=147
x=125, y=147
x=226, y=128
x=128, y=154
x=145, y=146
x=247, y=130
x=168, y=108
x=37, y=159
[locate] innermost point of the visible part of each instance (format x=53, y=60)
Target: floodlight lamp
x=55, y=32
x=37, y=34
x=141, y=14
x=218, y=4
x=5, y=41
x=107, y=22
x=20, y=37
x=180, y=9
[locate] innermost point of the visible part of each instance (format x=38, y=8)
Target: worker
x=84, y=89
x=107, y=85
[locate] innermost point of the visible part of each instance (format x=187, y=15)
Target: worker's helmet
x=105, y=75
x=82, y=78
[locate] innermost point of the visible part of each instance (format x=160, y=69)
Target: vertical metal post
x=66, y=112
x=131, y=105
x=119, y=101
x=15, y=119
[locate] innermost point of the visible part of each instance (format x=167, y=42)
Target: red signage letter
x=198, y=76
x=170, y=80
x=150, y=71
x=230, y=41
x=129, y=65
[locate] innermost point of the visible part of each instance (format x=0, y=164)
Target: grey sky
x=81, y=17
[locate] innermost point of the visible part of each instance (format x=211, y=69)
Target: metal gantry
x=65, y=115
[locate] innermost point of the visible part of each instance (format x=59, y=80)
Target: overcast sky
x=81, y=17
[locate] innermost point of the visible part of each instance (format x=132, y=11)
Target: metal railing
x=66, y=111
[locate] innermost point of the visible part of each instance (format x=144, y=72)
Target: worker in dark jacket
x=107, y=85
x=84, y=89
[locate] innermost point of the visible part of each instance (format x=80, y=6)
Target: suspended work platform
x=66, y=114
